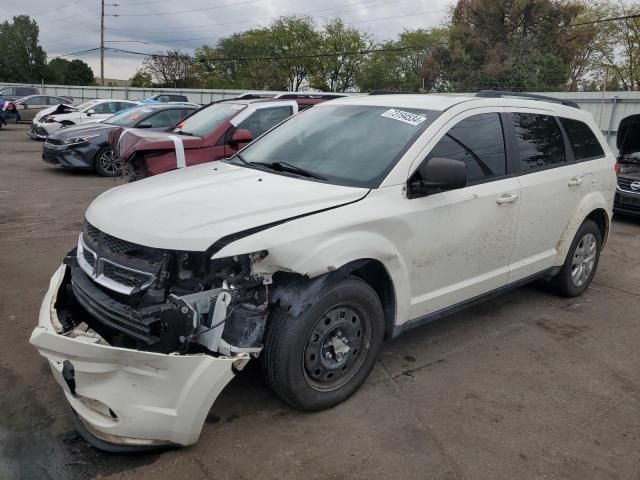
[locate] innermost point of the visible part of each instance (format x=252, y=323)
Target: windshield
x=353, y=145
x=129, y=117
x=205, y=121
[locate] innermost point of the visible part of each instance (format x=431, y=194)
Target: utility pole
x=102, y=43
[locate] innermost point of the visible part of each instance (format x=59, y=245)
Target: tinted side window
x=35, y=101
x=478, y=141
x=104, y=108
x=539, y=140
x=160, y=119
x=118, y=106
x=583, y=142
x=263, y=119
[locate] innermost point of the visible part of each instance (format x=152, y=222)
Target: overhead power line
x=601, y=20
x=246, y=2
x=239, y=22
x=286, y=57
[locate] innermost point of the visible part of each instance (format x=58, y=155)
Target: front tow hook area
x=69, y=375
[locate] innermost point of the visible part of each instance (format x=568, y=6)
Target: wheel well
x=601, y=219
x=375, y=274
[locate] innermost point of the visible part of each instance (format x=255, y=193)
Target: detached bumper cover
x=126, y=397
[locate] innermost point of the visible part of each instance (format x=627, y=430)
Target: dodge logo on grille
x=635, y=186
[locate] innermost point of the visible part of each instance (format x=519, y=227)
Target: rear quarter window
x=583, y=142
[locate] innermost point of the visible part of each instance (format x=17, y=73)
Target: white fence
x=82, y=93
x=607, y=108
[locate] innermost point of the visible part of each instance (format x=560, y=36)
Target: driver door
x=462, y=239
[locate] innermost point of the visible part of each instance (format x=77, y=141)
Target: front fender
x=592, y=201
x=313, y=258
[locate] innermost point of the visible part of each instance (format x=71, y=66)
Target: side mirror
x=90, y=112
x=438, y=174
x=241, y=136
x=144, y=125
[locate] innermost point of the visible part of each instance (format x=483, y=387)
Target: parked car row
x=86, y=146
x=331, y=230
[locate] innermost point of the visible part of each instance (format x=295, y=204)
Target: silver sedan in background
x=29, y=106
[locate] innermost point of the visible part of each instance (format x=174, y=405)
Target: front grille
x=48, y=157
x=125, y=277
x=91, y=235
x=118, y=264
x=89, y=258
x=625, y=184
x=53, y=141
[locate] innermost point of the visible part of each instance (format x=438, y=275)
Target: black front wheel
x=319, y=358
x=107, y=163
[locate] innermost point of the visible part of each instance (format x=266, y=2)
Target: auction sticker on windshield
x=406, y=117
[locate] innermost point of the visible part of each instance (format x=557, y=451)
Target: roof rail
x=326, y=96
x=252, y=96
x=390, y=92
x=531, y=96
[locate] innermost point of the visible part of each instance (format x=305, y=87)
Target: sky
x=71, y=26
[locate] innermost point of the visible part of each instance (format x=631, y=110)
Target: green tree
x=512, y=45
x=416, y=62
x=23, y=59
x=295, y=42
x=618, y=51
x=172, y=69
x=141, y=79
x=57, y=71
x=238, y=62
x=382, y=70
x=79, y=73
x=339, y=72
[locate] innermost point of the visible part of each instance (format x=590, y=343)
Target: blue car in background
x=8, y=113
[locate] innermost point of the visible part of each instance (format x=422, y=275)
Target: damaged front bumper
x=125, y=398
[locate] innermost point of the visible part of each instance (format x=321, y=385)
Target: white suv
x=348, y=223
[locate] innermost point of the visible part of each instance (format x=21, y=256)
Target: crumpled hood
x=126, y=142
x=55, y=110
x=191, y=208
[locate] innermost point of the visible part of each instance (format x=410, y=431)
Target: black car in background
x=86, y=146
x=627, y=198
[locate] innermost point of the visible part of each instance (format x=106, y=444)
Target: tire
x=106, y=163
x=304, y=359
x=581, y=262
x=133, y=171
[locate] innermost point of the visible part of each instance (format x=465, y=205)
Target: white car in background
x=53, y=119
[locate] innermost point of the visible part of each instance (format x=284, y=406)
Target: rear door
x=552, y=184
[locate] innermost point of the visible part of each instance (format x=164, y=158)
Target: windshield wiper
x=287, y=167
x=180, y=132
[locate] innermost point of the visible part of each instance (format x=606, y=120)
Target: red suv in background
x=214, y=132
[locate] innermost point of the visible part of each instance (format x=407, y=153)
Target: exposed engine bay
x=163, y=301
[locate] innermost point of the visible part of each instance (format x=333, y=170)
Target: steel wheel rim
x=109, y=162
x=584, y=258
x=336, y=347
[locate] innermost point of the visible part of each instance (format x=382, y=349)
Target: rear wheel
x=321, y=357
x=106, y=163
x=581, y=262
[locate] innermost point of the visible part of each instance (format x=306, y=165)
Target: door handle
x=507, y=198
x=575, y=181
